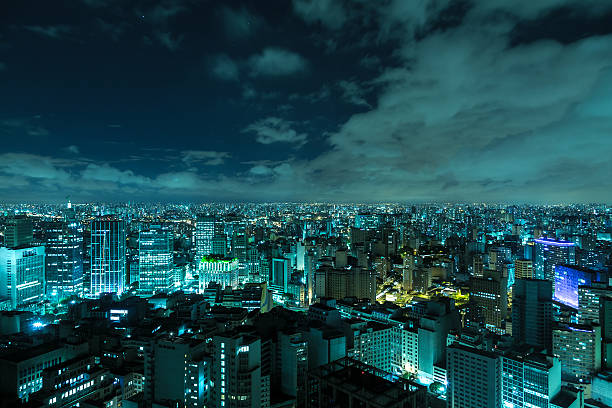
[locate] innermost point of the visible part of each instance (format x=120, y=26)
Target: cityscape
x=306, y=204
x=306, y=305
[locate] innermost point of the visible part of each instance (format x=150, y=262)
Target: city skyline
x=306, y=101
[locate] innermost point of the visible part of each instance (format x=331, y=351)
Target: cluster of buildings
x=305, y=305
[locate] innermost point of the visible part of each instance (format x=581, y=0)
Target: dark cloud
x=356, y=101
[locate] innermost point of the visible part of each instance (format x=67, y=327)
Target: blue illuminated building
x=548, y=253
x=569, y=277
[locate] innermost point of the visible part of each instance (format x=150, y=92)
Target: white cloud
x=209, y=158
x=353, y=93
x=276, y=130
x=225, y=68
x=331, y=13
x=52, y=31
x=72, y=149
x=277, y=62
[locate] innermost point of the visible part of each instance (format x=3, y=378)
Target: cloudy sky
x=306, y=100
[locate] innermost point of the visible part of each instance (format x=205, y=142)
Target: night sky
x=306, y=100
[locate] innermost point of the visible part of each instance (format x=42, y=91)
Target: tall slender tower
x=107, y=257
x=155, y=260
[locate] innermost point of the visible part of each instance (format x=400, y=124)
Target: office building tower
x=325, y=344
x=569, y=277
x=18, y=232
x=64, y=259
x=605, y=314
x=347, y=282
x=532, y=312
x=351, y=383
x=523, y=269
x=373, y=344
x=478, y=265
x=237, y=377
x=367, y=221
x=422, y=279
x=279, y=275
x=490, y=294
x=473, y=377
x=435, y=320
x=108, y=261
x=22, y=276
x=206, y=228
x=548, y=253
x=177, y=370
x=589, y=301
x=579, y=349
x=155, y=265
x=219, y=244
x=292, y=364
x=219, y=269
x=529, y=379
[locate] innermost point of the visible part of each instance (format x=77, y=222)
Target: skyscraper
x=18, y=232
x=279, y=275
x=107, y=257
x=532, y=312
x=605, y=313
x=64, y=258
x=490, y=294
x=579, y=349
x=548, y=254
x=155, y=260
x=568, y=278
x=589, y=301
x=529, y=379
x=22, y=276
x=204, y=234
x=473, y=377
x=237, y=372
x=523, y=269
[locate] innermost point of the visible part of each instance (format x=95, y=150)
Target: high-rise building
x=155, y=270
x=569, y=277
x=529, y=380
x=589, y=301
x=373, y=343
x=523, y=269
x=490, y=294
x=435, y=321
x=218, y=269
x=177, y=369
x=548, y=253
x=237, y=377
x=532, y=312
x=473, y=377
x=64, y=258
x=22, y=276
x=18, y=232
x=345, y=282
x=108, y=257
x=279, y=275
x=206, y=228
x=579, y=349
x=605, y=314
